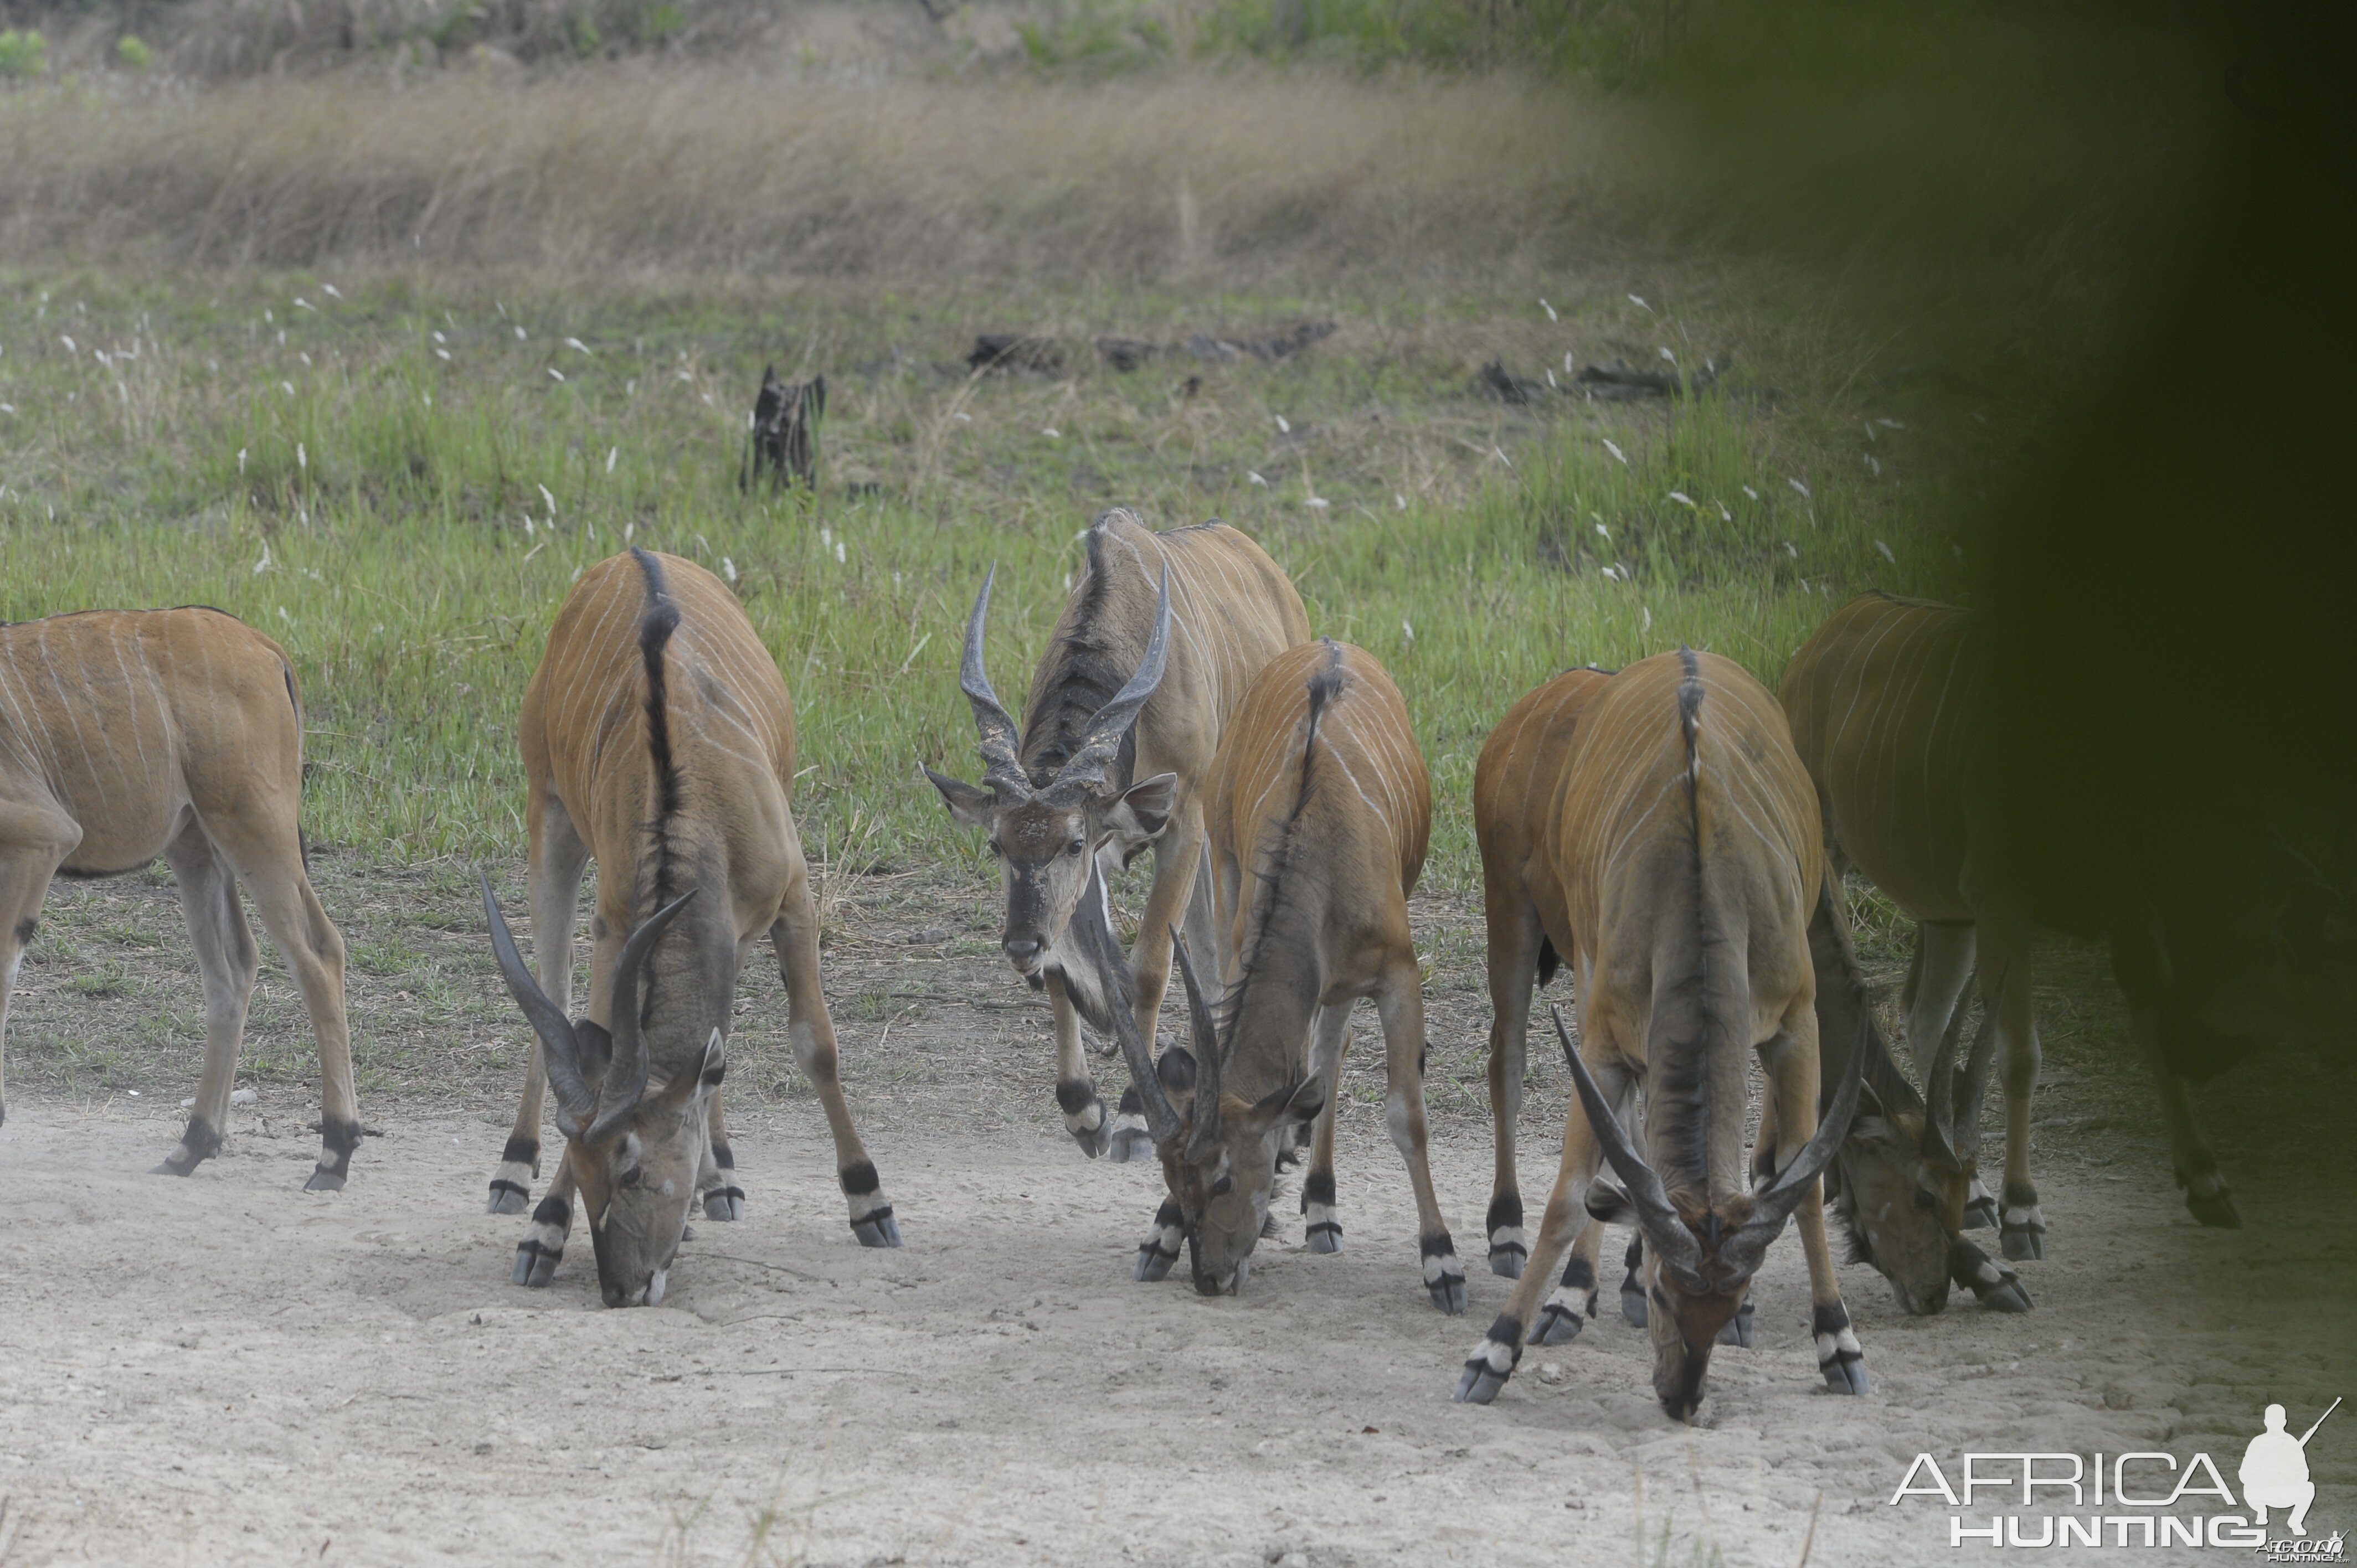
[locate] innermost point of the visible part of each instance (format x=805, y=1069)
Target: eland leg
x=1400, y=1005
x=1792, y=1063
x=34, y=839
x=795, y=937
x=1321, y=1225
x=1937, y=977
x=1515, y=943
x=553, y=886
x=722, y=1198
x=2139, y=962
x=227, y=960
x=2006, y=987
x=1571, y=1306
x=1493, y=1360
x=266, y=851
x=543, y=1247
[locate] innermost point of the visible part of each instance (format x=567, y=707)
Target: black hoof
x=507, y=1199
x=2005, y=1296
x=1737, y=1330
x=1153, y=1264
x=169, y=1168
x=1492, y=1363
x=1849, y=1377
x=724, y=1203
x=325, y=1181
x=1324, y=1236
x=2216, y=1209
x=1131, y=1146
x=1444, y=1276
x=1507, y=1262
x=2025, y=1242
x=877, y=1230
x=1559, y=1325
x=1632, y=1303
x=1980, y=1214
x=534, y=1265
x=1093, y=1141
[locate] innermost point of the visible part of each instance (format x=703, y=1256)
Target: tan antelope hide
x=1689, y=856
x=129, y=734
x=1157, y=643
x=658, y=738
x=1319, y=810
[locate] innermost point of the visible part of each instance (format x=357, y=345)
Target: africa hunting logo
x=2136, y=1500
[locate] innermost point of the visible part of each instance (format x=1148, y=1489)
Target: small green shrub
x=25, y=54
x=133, y=52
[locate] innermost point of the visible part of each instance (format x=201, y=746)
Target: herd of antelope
x=1667, y=832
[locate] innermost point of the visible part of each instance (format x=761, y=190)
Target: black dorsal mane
x=657, y=622
x=1089, y=668
x=1683, y=1080
x=1324, y=686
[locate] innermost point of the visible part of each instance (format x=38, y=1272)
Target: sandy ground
x=229, y=1370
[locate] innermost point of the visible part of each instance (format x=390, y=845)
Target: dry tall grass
x=1226, y=178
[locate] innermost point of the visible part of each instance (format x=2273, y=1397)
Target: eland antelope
x=1890, y=714
x=129, y=734
x=1898, y=1183
x=1690, y=859
x=1319, y=810
x=1154, y=647
x=659, y=738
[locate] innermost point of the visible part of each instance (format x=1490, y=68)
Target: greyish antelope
x=129, y=734
x=659, y=738
x=1888, y=710
x=1898, y=1183
x=1690, y=859
x=1155, y=645
x=1319, y=810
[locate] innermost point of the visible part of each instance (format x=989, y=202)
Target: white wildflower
x=443, y=355
x=1797, y=486
x=1885, y=550
x=1548, y=308
x=302, y=458
x=330, y=291
x=1407, y=630
x=1255, y=478
x=241, y=469
x=69, y=343
x=838, y=552
x=264, y=564
x=1724, y=515
x=546, y=496
x=1890, y=424
x=555, y=374
x=302, y=304
x=1617, y=453
x=612, y=453
x=286, y=387
x=1399, y=501
x=1667, y=355
x=1683, y=500
x=577, y=343
x=1752, y=493
x=1872, y=464
x=1638, y=300
x=438, y=338
x=1281, y=427
x=1649, y=620
x=728, y=568
x=518, y=332
x=1318, y=503
x=1051, y=432
x=1602, y=532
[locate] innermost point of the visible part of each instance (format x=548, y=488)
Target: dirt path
x=229, y=1370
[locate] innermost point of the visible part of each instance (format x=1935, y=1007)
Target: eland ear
x=1308, y=1101
x=968, y=804
x=1143, y=812
x=596, y=1050
x=1176, y=1070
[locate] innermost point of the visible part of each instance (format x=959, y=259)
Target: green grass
x=406, y=525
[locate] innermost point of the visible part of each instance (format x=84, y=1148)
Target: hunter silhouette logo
x=2275, y=1470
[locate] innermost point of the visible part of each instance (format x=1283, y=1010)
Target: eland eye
x=630, y=1177
x=1224, y=1186
x=1076, y=847
x=1925, y=1200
